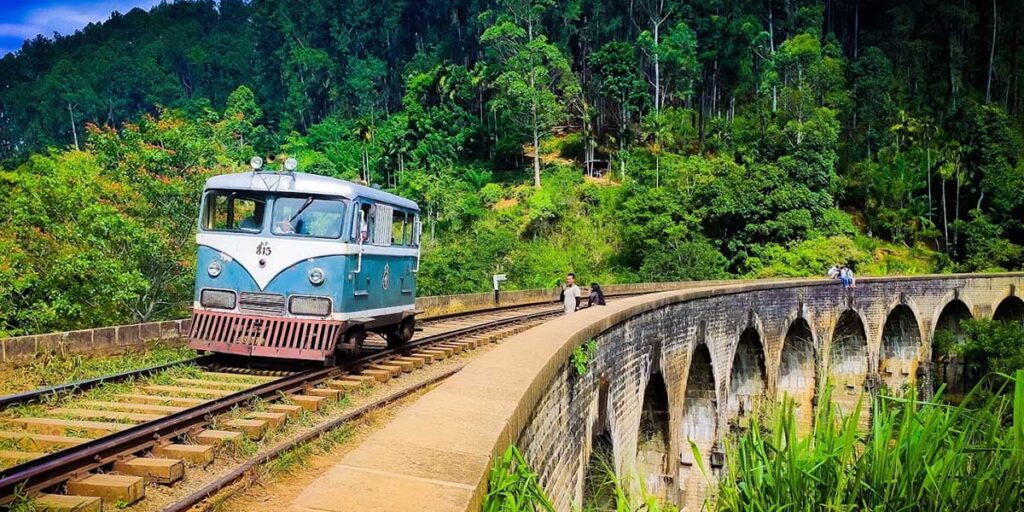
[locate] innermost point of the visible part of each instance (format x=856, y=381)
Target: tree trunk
x=945, y=218
x=536, y=156
x=952, y=75
x=856, y=28
x=928, y=166
x=74, y=130
x=771, y=40
x=991, y=56
x=536, y=128
x=657, y=71
x=956, y=214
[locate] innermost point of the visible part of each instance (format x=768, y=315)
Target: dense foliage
x=732, y=138
x=915, y=456
x=984, y=345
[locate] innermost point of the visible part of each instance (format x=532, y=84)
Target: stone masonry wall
x=557, y=439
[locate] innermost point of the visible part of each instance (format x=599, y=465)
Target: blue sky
x=20, y=20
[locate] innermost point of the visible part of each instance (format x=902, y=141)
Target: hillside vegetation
x=625, y=140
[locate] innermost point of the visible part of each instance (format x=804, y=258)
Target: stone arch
x=699, y=425
x=955, y=309
x=1010, y=309
x=848, y=363
x=748, y=378
x=600, y=454
x=797, y=371
x=950, y=371
x=653, y=439
x=900, y=352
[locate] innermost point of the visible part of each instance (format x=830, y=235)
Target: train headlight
x=214, y=268
x=223, y=299
x=310, y=306
x=291, y=164
x=255, y=162
x=316, y=276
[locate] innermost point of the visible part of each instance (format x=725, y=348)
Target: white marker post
x=497, y=279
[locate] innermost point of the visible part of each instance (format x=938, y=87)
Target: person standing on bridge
x=571, y=294
x=596, y=297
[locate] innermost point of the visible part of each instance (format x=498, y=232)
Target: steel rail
x=57, y=467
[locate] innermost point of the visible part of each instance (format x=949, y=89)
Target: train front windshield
x=291, y=215
x=308, y=216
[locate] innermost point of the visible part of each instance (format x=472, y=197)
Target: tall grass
x=513, y=486
x=605, y=491
x=916, y=456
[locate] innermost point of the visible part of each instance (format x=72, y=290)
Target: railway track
x=104, y=445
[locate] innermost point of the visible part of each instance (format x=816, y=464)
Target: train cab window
x=363, y=225
x=233, y=211
x=307, y=216
x=398, y=228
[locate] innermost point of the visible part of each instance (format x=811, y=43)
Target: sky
x=20, y=20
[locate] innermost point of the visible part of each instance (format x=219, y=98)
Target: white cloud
x=67, y=18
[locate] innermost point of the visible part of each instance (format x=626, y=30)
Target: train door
x=403, y=227
x=363, y=231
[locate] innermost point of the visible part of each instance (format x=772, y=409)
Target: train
x=293, y=265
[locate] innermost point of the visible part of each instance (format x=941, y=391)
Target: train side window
x=398, y=228
x=410, y=226
x=382, y=230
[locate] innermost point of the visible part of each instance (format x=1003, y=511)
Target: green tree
x=534, y=84
x=615, y=66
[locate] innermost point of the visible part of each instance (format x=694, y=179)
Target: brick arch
x=748, y=373
x=798, y=369
x=848, y=362
x=699, y=422
x=948, y=300
x=1010, y=308
x=902, y=347
x=827, y=337
x=599, y=446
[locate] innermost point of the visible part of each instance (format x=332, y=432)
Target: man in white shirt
x=571, y=294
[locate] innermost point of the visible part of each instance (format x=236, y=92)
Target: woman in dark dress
x=596, y=295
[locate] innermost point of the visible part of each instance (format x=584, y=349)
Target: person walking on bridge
x=571, y=294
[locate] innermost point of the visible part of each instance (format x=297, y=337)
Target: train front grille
x=280, y=337
x=261, y=303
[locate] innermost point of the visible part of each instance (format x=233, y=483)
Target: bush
x=810, y=258
x=490, y=194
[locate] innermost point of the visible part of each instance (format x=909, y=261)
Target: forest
x=624, y=140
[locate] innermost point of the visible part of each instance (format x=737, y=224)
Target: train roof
x=303, y=183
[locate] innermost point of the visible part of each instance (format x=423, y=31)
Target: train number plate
x=250, y=340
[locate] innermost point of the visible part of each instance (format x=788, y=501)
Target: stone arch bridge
x=670, y=368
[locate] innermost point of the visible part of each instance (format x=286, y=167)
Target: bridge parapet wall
x=717, y=351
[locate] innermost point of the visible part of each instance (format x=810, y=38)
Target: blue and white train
x=299, y=266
